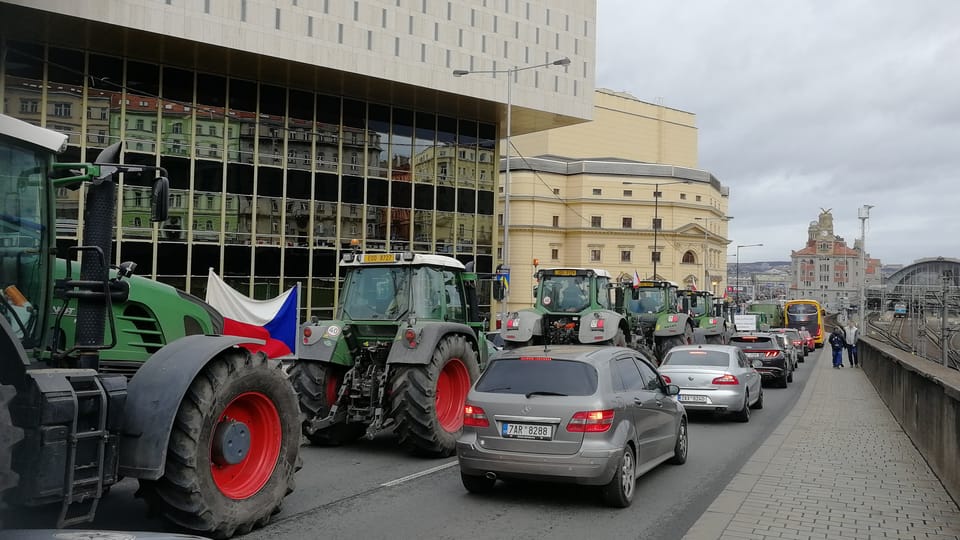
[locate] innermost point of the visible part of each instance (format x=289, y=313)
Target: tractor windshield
x=565, y=293
x=698, y=305
x=376, y=293
x=23, y=239
x=648, y=300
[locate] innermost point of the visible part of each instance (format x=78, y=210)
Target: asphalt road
x=371, y=489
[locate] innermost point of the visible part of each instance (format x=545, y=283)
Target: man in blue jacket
x=837, y=344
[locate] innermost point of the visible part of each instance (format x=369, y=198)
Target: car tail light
x=307, y=332
x=474, y=416
x=596, y=324
x=666, y=379
x=513, y=324
x=411, y=336
x=591, y=421
x=797, y=342
x=673, y=318
x=726, y=378
x=714, y=321
x=771, y=354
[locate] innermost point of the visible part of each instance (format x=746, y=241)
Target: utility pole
x=944, y=338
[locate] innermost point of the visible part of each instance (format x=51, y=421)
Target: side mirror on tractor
x=160, y=199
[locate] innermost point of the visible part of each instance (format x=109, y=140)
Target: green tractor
x=571, y=306
x=707, y=321
x=109, y=376
x=655, y=306
x=406, y=346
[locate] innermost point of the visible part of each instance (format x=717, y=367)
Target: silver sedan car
x=714, y=378
x=579, y=414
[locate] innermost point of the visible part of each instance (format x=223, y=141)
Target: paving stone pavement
x=839, y=466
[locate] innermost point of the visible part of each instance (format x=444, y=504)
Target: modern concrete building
x=829, y=271
x=586, y=195
x=291, y=127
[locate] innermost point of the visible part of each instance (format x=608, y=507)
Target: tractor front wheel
x=427, y=401
x=318, y=385
x=9, y=436
x=233, y=449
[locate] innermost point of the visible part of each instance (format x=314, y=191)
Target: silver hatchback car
x=580, y=414
x=714, y=378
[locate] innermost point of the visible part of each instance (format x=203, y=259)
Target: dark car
x=765, y=347
x=598, y=416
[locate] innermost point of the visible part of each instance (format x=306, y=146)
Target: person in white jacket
x=850, y=335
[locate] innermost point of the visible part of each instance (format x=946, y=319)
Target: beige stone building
x=584, y=196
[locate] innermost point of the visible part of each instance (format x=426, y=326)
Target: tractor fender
x=327, y=342
x=588, y=332
x=529, y=326
x=667, y=329
x=153, y=399
x=428, y=336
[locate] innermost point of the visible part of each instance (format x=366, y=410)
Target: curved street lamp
x=505, y=246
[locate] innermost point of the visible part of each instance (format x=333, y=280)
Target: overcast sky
x=803, y=105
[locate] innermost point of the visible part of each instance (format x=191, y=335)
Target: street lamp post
x=505, y=245
x=706, y=222
x=864, y=215
x=656, y=215
x=738, y=269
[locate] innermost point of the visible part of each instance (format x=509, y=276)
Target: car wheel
x=619, y=492
x=683, y=442
x=790, y=376
x=743, y=415
x=477, y=484
x=759, y=403
x=784, y=380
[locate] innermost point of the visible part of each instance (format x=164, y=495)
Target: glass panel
x=378, y=133
x=466, y=159
x=141, y=123
x=236, y=267
x=207, y=201
x=465, y=226
x=423, y=230
x=172, y=259
x=351, y=223
x=354, y=137
x=238, y=205
x=267, y=264
x=446, y=151
x=328, y=132
x=140, y=253
x=326, y=187
x=205, y=257
x=24, y=81
x=401, y=143
x=487, y=162
x=485, y=235
x=300, y=130
x=446, y=223
x=273, y=104
x=424, y=158
x=376, y=228
x=177, y=126
x=135, y=200
x=466, y=201
x=241, y=119
x=295, y=268
x=65, y=94
x=446, y=199
x=297, y=222
x=68, y=200
x=103, y=100
x=269, y=205
x=210, y=135
x=325, y=224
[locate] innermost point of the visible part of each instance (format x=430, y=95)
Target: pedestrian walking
x=837, y=344
x=851, y=334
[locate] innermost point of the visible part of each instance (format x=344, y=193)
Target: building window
x=554, y=254
x=62, y=109
x=594, y=255
x=556, y=221
x=556, y=191
x=139, y=124
x=596, y=222
x=29, y=106
x=597, y=191
x=689, y=258
x=683, y=196
x=176, y=128
x=628, y=193
x=698, y=198
x=627, y=223
x=624, y=256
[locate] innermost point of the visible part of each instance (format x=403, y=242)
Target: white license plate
x=527, y=431
x=693, y=399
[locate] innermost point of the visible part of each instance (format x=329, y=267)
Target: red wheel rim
x=452, y=387
x=241, y=480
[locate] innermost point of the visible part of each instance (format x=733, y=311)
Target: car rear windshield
x=697, y=358
x=754, y=342
x=516, y=376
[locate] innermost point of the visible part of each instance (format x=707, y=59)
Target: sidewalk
x=838, y=466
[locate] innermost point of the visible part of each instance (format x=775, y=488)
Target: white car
x=714, y=378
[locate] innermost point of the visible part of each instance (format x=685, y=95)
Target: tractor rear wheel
x=233, y=449
x=318, y=384
x=427, y=401
x=686, y=338
x=9, y=436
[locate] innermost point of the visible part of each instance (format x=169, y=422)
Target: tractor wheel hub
x=231, y=443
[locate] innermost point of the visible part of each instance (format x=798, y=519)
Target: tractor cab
x=701, y=308
x=655, y=306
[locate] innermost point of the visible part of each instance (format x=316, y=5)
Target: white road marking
x=413, y=476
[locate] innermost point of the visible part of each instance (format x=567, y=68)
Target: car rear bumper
x=595, y=466
x=770, y=373
x=717, y=400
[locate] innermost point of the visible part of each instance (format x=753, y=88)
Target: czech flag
x=636, y=279
x=274, y=321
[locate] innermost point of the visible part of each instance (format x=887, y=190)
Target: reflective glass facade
x=269, y=183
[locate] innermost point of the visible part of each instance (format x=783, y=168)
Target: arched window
x=689, y=258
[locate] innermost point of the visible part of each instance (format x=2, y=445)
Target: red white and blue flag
x=274, y=321
x=636, y=279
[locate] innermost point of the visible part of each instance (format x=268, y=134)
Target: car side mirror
x=672, y=389
x=756, y=364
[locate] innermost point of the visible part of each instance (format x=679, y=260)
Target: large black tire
x=317, y=385
x=743, y=415
x=619, y=492
x=686, y=338
x=422, y=427
x=619, y=340
x=192, y=491
x=9, y=436
x=715, y=339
